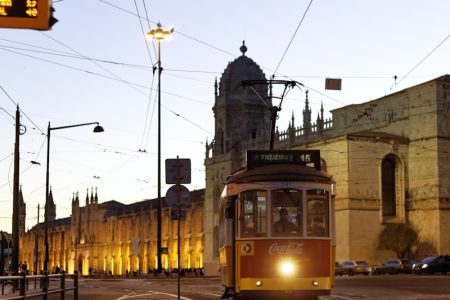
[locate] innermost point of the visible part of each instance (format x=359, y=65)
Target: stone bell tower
x=242, y=122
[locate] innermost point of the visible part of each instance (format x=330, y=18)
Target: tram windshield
x=292, y=213
x=286, y=212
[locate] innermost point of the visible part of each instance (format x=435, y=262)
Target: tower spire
x=306, y=116
x=243, y=48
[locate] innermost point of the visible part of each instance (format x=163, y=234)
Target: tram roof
x=279, y=172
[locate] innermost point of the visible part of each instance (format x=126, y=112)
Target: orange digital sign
x=28, y=14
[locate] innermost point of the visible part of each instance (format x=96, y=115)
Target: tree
x=398, y=237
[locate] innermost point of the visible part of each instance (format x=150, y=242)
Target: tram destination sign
x=26, y=14
x=257, y=158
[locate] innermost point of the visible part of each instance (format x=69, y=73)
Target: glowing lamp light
x=259, y=283
x=159, y=34
x=287, y=268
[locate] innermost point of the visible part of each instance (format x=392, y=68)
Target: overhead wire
x=421, y=61
x=293, y=36
x=104, y=76
x=143, y=31
x=94, y=62
x=176, y=32
x=153, y=78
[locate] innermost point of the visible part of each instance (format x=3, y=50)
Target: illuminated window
x=254, y=222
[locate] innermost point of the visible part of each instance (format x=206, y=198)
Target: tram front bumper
x=285, y=284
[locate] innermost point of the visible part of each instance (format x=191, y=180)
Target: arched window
x=389, y=181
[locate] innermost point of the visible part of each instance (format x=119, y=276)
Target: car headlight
x=287, y=268
x=424, y=266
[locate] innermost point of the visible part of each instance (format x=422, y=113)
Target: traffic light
x=27, y=14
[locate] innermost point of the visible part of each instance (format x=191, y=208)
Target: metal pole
x=46, y=201
x=36, y=245
x=179, y=221
x=15, y=221
x=159, y=162
x=178, y=244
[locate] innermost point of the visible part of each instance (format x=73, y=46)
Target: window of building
x=254, y=221
x=388, y=186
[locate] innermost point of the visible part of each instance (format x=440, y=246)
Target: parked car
x=408, y=265
x=349, y=267
x=440, y=264
x=417, y=266
x=363, y=267
x=338, y=269
x=390, y=266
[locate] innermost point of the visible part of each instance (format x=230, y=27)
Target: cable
x=290, y=42
x=153, y=78
x=65, y=54
x=423, y=59
x=148, y=24
x=177, y=32
x=9, y=97
x=143, y=32
x=4, y=91
x=178, y=115
x=98, y=65
x=151, y=121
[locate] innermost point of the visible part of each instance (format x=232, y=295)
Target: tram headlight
x=259, y=283
x=287, y=268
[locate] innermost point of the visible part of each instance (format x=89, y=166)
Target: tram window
x=286, y=212
x=254, y=220
x=317, y=213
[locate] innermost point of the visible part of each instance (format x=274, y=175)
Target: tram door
x=227, y=241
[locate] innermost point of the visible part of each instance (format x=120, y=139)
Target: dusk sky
x=96, y=65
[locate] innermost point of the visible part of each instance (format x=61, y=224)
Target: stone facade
x=117, y=239
x=389, y=158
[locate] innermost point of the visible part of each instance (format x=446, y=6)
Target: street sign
x=176, y=192
x=26, y=14
x=178, y=171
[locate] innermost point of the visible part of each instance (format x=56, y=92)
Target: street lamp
x=158, y=35
x=97, y=128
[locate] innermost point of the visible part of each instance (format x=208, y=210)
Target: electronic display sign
x=257, y=158
x=27, y=14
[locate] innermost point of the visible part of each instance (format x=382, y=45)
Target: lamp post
x=159, y=34
x=97, y=128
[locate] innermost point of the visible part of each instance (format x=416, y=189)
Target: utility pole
x=15, y=223
x=36, y=245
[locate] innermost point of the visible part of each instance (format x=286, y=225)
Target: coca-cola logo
x=289, y=248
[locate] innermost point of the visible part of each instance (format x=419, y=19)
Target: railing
x=32, y=286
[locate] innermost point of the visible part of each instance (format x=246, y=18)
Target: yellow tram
x=277, y=235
